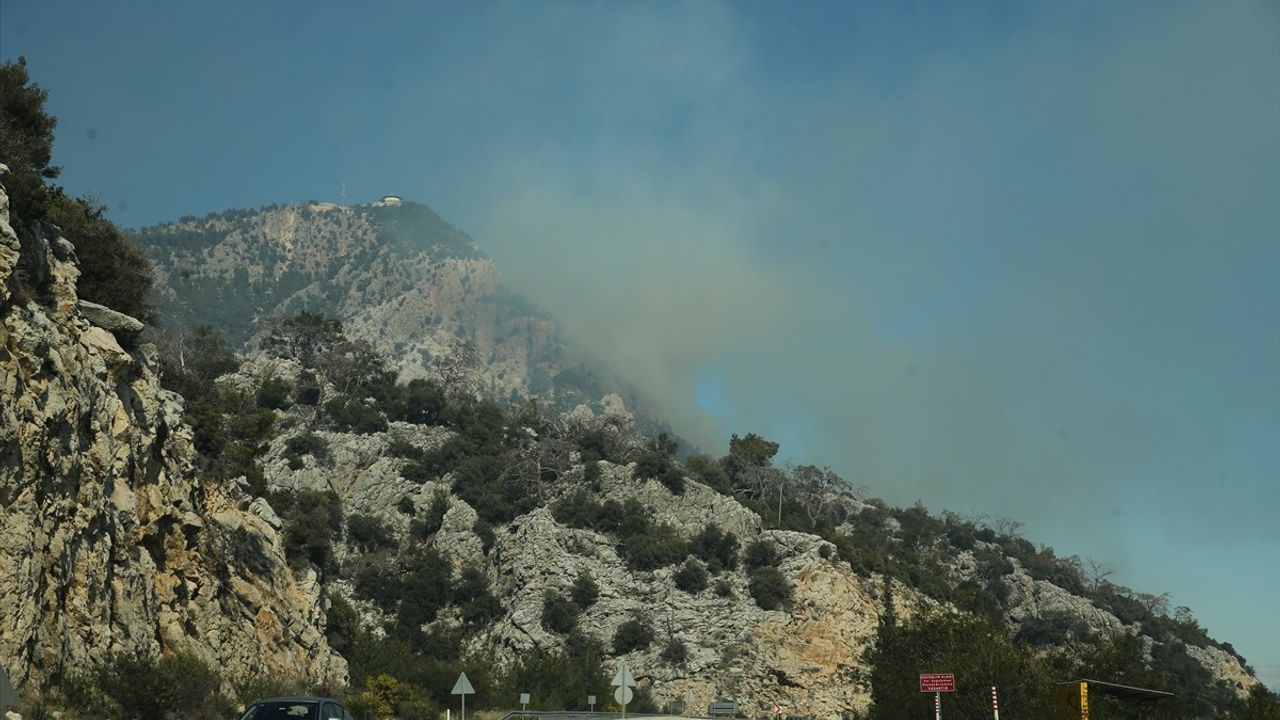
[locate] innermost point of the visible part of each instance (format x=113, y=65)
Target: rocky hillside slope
x=397, y=276
x=109, y=542
x=805, y=655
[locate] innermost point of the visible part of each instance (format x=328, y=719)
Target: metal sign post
x=995, y=704
x=524, y=704
x=624, y=682
x=591, y=702
x=463, y=688
x=937, y=683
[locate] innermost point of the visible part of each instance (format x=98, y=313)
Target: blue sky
x=1020, y=259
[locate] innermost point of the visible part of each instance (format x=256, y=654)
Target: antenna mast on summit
x=344, y=194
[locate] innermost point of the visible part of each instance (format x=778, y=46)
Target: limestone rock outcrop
x=110, y=542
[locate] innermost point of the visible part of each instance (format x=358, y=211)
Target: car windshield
x=282, y=710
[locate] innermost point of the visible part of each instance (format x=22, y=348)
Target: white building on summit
x=390, y=201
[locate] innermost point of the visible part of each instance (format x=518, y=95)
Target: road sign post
x=624, y=682
x=463, y=688
x=591, y=702
x=524, y=704
x=995, y=704
x=937, y=683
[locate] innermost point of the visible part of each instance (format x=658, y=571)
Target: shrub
x=273, y=394
x=585, y=591
x=354, y=415
x=341, y=624
x=651, y=464
x=718, y=549
x=761, y=553
x=770, y=588
x=311, y=519
x=559, y=614
x=379, y=584
x=406, y=506
x=724, y=588
x=580, y=510
x=474, y=599
x=634, y=634
x=675, y=652
x=307, y=391
x=307, y=443
x=431, y=521
x=672, y=479
x=399, y=447
x=426, y=587
x=484, y=531
x=691, y=577
x=657, y=546
x=420, y=402
x=369, y=533
x=138, y=686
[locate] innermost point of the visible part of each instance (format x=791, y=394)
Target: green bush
x=717, y=548
x=273, y=394
x=770, y=588
x=761, y=553
x=379, y=583
x=634, y=634
x=558, y=680
x=476, y=602
x=308, y=443
x=307, y=391
x=581, y=510
x=675, y=652
x=311, y=520
x=341, y=624
x=691, y=577
x=724, y=588
x=484, y=531
x=651, y=464
x=348, y=414
x=656, y=546
x=421, y=402
x=496, y=496
x=425, y=588
x=369, y=533
x=139, y=686
x=429, y=524
x=559, y=614
x=585, y=591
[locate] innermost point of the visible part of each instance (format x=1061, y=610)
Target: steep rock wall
x=109, y=541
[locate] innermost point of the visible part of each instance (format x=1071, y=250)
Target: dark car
x=296, y=708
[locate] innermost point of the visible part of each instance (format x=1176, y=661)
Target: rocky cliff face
x=109, y=542
x=398, y=277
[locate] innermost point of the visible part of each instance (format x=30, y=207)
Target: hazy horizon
x=1016, y=259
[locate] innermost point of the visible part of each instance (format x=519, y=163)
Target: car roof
x=296, y=698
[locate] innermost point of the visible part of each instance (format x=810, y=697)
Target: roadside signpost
x=623, y=681
x=524, y=704
x=463, y=688
x=937, y=683
x=995, y=704
x=591, y=702
x=688, y=701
